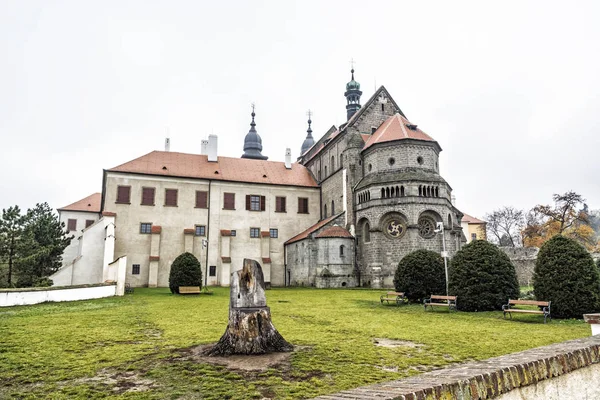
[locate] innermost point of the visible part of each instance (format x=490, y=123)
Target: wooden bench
x=397, y=297
x=189, y=289
x=440, y=301
x=544, y=305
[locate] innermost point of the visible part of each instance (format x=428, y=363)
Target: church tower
x=253, y=142
x=309, y=141
x=352, y=96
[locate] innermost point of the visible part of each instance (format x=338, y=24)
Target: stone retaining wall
x=567, y=370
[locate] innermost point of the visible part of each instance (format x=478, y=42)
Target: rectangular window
x=254, y=232
x=302, y=205
x=135, y=270
x=233, y=232
x=146, y=227
x=123, y=194
x=72, y=225
x=148, y=196
x=255, y=202
x=274, y=233
x=89, y=222
x=200, y=230
x=229, y=201
x=212, y=270
x=171, y=197
x=201, y=199
x=280, y=204
x=473, y=236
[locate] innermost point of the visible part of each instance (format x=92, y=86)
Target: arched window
x=325, y=211
x=420, y=191
x=437, y=192
x=382, y=193
x=402, y=191
x=450, y=220
x=387, y=192
x=332, y=163
x=397, y=191
x=319, y=175
x=342, y=251
x=368, y=195
x=325, y=172
x=392, y=192
x=367, y=232
x=332, y=208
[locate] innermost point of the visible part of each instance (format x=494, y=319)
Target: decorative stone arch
x=363, y=231
x=393, y=224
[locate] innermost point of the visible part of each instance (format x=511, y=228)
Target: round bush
x=566, y=275
x=420, y=274
x=482, y=277
x=185, y=271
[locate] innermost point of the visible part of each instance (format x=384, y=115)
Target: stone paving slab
x=484, y=379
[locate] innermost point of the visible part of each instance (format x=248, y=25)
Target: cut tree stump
x=250, y=329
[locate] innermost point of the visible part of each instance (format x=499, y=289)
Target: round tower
x=352, y=94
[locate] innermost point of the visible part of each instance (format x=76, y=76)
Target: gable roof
x=335, y=232
x=307, y=232
x=396, y=127
x=362, y=109
x=184, y=165
x=88, y=204
x=471, y=220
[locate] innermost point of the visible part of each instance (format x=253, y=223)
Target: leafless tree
x=565, y=210
x=505, y=224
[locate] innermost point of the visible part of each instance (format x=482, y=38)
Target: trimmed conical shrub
x=482, y=277
x=185, y=271
x=566, y=275
x=420, y=274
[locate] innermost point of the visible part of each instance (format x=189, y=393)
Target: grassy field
x=137, y=346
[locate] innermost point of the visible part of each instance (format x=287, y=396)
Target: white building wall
x=72, y=250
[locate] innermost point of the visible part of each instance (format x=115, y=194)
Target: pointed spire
x=309, y=141
x=252, y=141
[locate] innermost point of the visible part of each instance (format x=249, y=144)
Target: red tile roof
x=335, y=232
x=90, y=204
x=471, y=220
x=313, y=228
x=185, y=165
x=394, y=128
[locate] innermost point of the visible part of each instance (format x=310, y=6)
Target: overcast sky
x=510, y=90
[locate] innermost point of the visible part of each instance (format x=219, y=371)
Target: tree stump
x=250, y=329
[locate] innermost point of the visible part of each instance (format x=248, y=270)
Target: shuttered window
x=280, y=204
x=255, y=202
x=88, y=222
x=72, y=225
x=229, y=201
x=123, y=194
x=148, y=196
x=171, y=197
x=302, y=205
x=201, y=199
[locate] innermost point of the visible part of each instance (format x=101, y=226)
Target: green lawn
x=134, y=347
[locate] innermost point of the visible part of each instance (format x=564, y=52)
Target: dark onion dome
x=309, y=141
x=352, y=85
x=253, y=143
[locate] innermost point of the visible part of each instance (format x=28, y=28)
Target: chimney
x=204, y=147
x=167, y=144
x=212, y=148
x=288, y=158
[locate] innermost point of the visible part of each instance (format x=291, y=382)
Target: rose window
x=395, y=228
x=426, y=227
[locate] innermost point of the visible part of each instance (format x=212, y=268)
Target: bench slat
x=528, y=302
x=189, y=289
x=525, y=311
x=436, y=297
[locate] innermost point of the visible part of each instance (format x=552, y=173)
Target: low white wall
x=27, y=297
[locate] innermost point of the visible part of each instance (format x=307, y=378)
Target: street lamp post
x=440, y=229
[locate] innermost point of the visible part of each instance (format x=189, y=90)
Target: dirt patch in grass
x=251, y=363
x=121, y=382
x=391, y=343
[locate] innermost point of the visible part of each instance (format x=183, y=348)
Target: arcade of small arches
x=392, y=191
x=364, y=196
x=429, y=191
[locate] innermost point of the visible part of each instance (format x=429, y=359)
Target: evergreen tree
x=11, y=229
x=420, y=274
x=185, y=271
x=45, y=239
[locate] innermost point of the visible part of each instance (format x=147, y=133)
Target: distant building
x=356, y=201
x=474, y=229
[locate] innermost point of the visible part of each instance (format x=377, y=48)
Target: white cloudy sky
x=510, y=90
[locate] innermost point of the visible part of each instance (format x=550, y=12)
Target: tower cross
x=309, y=113
x=352, y=63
